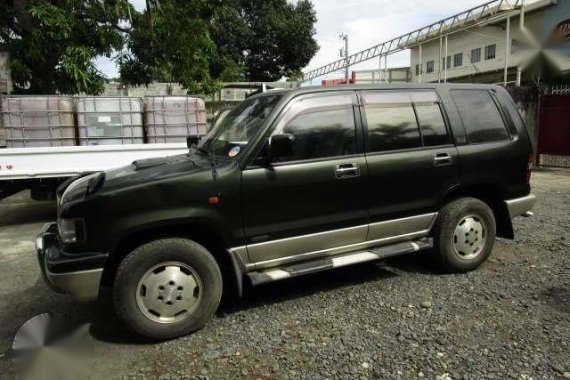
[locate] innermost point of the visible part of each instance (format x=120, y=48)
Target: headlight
x=71, y=231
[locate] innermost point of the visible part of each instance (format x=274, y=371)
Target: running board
x=318, y=265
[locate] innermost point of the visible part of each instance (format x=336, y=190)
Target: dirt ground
x=395, y=319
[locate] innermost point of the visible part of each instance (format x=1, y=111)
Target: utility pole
x=344, y=53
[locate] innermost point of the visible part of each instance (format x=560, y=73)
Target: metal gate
x=554, y=130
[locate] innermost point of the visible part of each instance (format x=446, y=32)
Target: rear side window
x=432, y=125
x=391, y=128
x=480, y=116
x=403, y=120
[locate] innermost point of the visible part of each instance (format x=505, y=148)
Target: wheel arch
x=492, y=196
x=201, y=233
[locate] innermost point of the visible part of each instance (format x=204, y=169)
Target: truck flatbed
x=28, y=168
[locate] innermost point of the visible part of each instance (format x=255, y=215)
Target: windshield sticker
x=234, y=151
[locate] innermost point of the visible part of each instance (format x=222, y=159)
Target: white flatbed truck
x=41, y=170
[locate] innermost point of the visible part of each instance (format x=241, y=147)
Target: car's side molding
x=376, y=234
x=402, y=226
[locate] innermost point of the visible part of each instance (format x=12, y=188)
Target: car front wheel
x=167, y=288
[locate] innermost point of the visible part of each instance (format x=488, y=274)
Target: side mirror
x=193, y=140
x=281, y=145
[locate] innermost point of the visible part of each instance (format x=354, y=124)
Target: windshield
x=231, y=134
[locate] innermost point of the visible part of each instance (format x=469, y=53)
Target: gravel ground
x=396, y=319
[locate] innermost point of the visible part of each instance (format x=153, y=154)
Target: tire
x=167, y=288
x=464, y=235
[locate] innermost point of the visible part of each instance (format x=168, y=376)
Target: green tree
x=170, y=41
x=296, y=76
x=52, y=43
x=270, y=39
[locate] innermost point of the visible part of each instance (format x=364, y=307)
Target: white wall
x=153, y=89
x=5, y=79
x=398, y=74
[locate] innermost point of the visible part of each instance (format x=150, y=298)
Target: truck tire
x=167, y=288
x=464, y=235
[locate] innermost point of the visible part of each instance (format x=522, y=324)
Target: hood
x=154, y=169
x=139, y=173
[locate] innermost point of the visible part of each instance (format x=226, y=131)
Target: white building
x=481, y=53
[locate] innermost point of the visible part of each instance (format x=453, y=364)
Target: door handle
x=442, y=159
x=347, y=171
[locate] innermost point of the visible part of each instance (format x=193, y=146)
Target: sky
x=367, y=23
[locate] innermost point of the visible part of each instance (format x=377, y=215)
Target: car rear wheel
x=464, y=235
x=167, y=288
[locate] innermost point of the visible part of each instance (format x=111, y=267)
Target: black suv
x=290, y=183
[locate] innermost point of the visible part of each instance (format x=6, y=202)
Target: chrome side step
x=280, y=273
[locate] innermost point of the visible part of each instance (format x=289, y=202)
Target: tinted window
x=432, y=124
x=392, y=127
x=480, y=116
x=322, y=133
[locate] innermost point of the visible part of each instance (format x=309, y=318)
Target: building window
x=418, y=68
x=476, y=55
x=449, y=62
x=430, y=67
x=490, y=51
x=458, y=60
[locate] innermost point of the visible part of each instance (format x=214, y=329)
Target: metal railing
x=563, y=89
x=470, y=17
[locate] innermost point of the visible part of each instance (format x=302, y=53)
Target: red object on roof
x=335, y=82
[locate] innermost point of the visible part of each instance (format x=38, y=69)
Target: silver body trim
x=331, y=243
x=402, y=226
x=298, y=245
x=519, y=206
x=81, y=285
x=240, y=253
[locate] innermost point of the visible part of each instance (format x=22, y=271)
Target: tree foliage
x=52, y=43
x=171, y=43
x=270, y=39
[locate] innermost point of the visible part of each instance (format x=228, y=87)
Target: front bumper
x=78, y=275
x=520, y=206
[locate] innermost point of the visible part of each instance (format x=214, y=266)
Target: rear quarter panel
x=501, y=165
